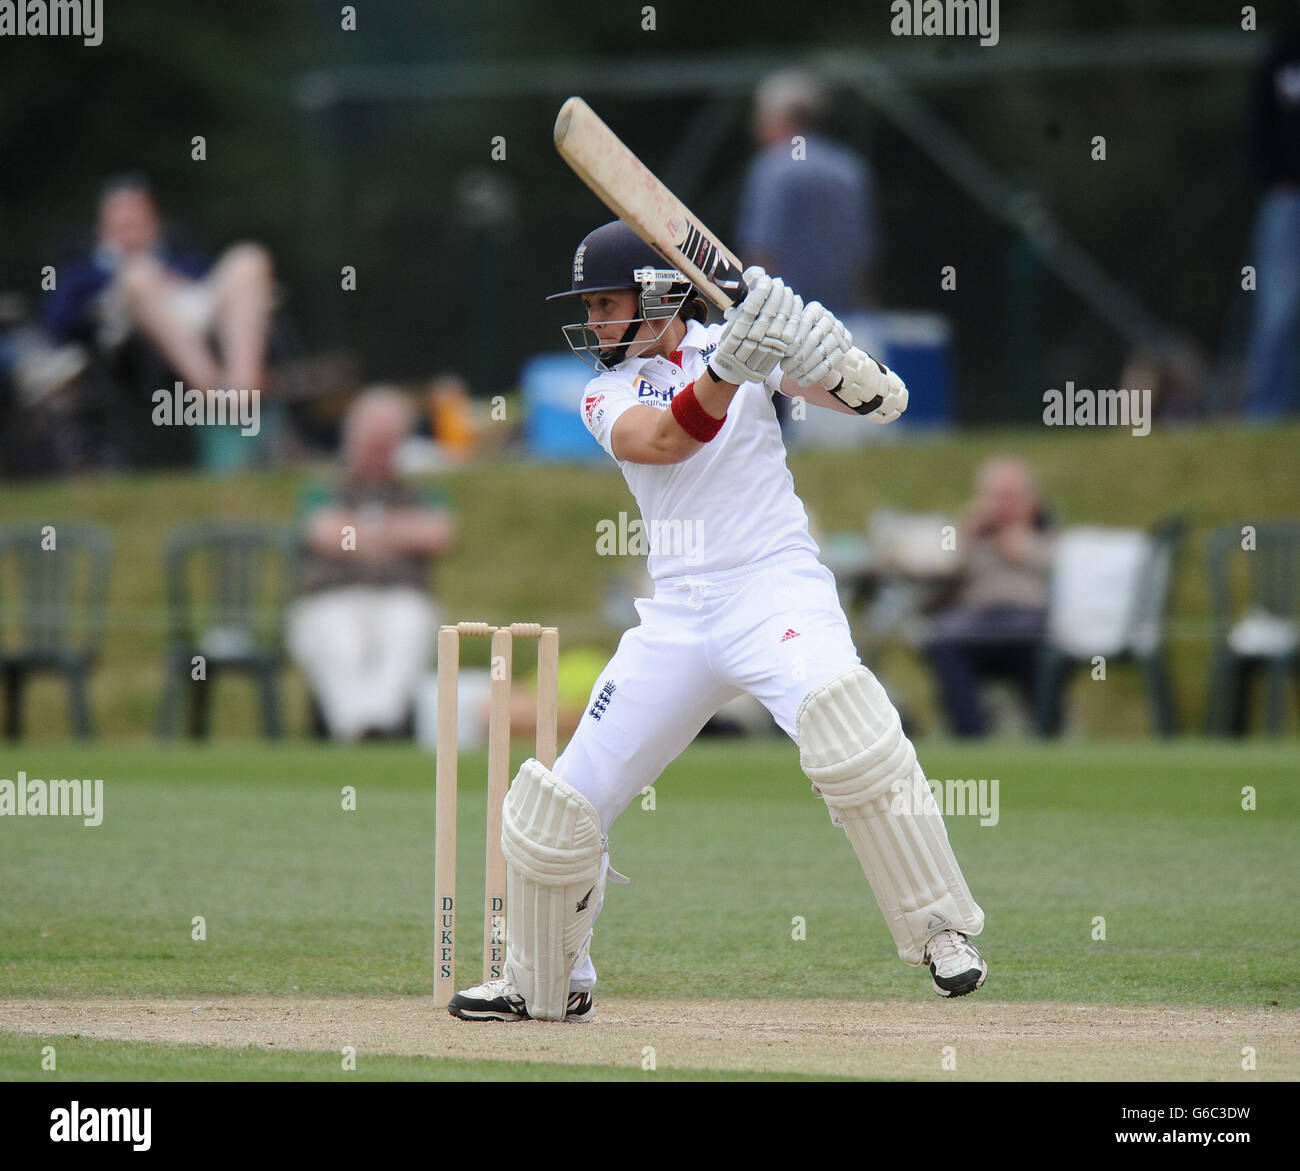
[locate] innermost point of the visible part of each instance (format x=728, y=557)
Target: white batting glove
x=760, y=330
x=820, y=346
x=870, y=388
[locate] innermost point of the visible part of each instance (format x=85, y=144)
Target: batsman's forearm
x=672, y=440
x=815, y=396
x=714, y=396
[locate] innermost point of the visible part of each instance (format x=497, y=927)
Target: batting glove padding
x=760, y=331
x=870, y=388
x=820, y=346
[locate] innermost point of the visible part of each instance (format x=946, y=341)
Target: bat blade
x=625, y=185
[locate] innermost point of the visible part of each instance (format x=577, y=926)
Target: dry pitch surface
x=854, y=1038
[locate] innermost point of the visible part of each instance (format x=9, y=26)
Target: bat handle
x=734, y=289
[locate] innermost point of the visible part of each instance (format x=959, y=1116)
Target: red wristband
x=693, y=418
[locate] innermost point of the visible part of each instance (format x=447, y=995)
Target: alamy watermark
x=53, y=18
x=179, y=407
x=1082, y=407
x=945, y=18
x=662, y=536
x=33, y=797
x=76, y=1123
x=954, y=797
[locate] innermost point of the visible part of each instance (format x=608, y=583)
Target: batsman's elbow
x=645, y=435
x=664, y=451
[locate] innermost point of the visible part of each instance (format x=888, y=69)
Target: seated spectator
x=208, y=323
x=995, y=623
x=32, y=366
x=35, y=377
x=362, y=630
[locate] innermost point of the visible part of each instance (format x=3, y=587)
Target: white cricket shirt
x=733, y=501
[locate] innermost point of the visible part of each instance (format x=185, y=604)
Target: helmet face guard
x=660, y=294
x=614, y=258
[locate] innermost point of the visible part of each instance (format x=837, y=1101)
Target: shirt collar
x=696, y=336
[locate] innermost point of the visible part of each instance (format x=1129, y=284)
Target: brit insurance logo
x=648, y=392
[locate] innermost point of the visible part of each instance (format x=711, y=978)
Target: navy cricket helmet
x=611, y=258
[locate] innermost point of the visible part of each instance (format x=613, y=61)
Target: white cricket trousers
x=774, y=629
x=363, y=650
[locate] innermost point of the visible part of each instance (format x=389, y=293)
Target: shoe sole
x=571, y=1019
x=461, y=1014
x=950, y=993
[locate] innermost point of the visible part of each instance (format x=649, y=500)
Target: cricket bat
x=625, y=185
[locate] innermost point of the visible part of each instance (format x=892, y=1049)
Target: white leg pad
x=556, y=863
x=852, y=748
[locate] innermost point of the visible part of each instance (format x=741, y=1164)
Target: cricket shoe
x=497, y=1000
x=955, y=965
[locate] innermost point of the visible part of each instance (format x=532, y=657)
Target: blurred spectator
x=362, y=631
x=807, y=210
x=995, y=623
x=452, y=416
x=1271, y=366
x=208, y=322
x=36, y=433
x=30, y=363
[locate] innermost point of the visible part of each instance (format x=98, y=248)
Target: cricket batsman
x=686, y=411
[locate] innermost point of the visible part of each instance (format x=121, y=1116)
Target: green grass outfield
x=302, y=898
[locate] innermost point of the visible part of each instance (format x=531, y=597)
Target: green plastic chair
x=53, y=594
x=1255, y=610
x=227, y=587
